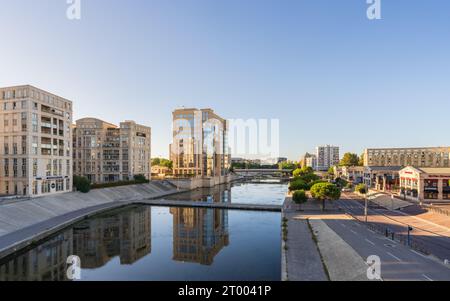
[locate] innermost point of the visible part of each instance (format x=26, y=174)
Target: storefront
x=425, y=184
x=382, y=178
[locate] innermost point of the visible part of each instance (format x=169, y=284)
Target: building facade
x=35, y=142
x=200, y=144
x=425, y=184
x=327, y=156
x=309, y=160
x=104, y=152
x=428, y=157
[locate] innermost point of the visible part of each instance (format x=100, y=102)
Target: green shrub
x=81, y=184
x=361, y=188
x=311, y=184
x=298, y=184
x=140, y=178
x=299, y=197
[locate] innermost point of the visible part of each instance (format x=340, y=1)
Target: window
x=48, y=168
x=34, y=122
x=35, y=167
x=24, y=168
x=55, y=167
x=6, y=168
x=15, y=163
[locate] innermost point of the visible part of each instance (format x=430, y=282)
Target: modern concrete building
x=327, y=156
x=104, y=152
x=35, y=142
x=425, y=184
x=200, y=144
x=418, y=157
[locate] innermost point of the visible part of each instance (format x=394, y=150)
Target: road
x=433, y=242
x=398, y=263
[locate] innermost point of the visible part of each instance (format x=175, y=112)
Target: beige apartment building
x=200, y=144
x=35, y=142
x=418, y=157
x=104, y=152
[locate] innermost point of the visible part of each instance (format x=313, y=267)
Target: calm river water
x=159, y=243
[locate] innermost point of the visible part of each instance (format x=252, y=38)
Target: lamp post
x=366, y=204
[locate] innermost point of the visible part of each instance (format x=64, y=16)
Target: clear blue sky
x=327, y=72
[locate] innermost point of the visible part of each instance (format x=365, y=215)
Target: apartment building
x=327, y=156
x=35, y=142
x=200, y=144
x=309, y=160
x=428, y=157
x=104, y=152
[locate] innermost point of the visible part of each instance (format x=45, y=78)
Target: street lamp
x=366, y=203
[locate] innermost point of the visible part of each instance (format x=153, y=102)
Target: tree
x=331, y=171
x=156, y=161
x=341, y=182
x=349, y=159
x=288, y=165
x=298, y=184
x=305, y=170
x=324, y=192
x=299, y=197
x=81, y=184
x=361, y=160
x=361, y=188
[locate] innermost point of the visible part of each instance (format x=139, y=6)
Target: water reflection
x=127, y=235
x=199, y=234
x=189, y=243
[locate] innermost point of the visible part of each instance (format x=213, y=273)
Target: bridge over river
x=218, y=205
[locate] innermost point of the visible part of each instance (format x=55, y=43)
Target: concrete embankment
x=24, y=222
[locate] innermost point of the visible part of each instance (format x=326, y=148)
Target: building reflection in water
x=126, y=234
x=199, y=234
x=46, y=262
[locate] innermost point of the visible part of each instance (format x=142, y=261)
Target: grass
x=314, y=238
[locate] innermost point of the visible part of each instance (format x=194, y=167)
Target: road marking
x=421, y=255
x=426, y=277
x=395, y=257
x=343, y=225
x=370, y=242
x=353, y=232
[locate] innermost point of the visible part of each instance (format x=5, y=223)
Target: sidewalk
x=314, y=251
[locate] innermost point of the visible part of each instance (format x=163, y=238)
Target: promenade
x=332, y=245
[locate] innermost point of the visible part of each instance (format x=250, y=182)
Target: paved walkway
x=232, y=206
x=303, y=261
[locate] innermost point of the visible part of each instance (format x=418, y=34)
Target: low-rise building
x=382, y=178
x=354, y=174
x=160, y=171
x=425, y=184
x=104, y=152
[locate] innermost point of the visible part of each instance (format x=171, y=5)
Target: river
x=160, y=243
